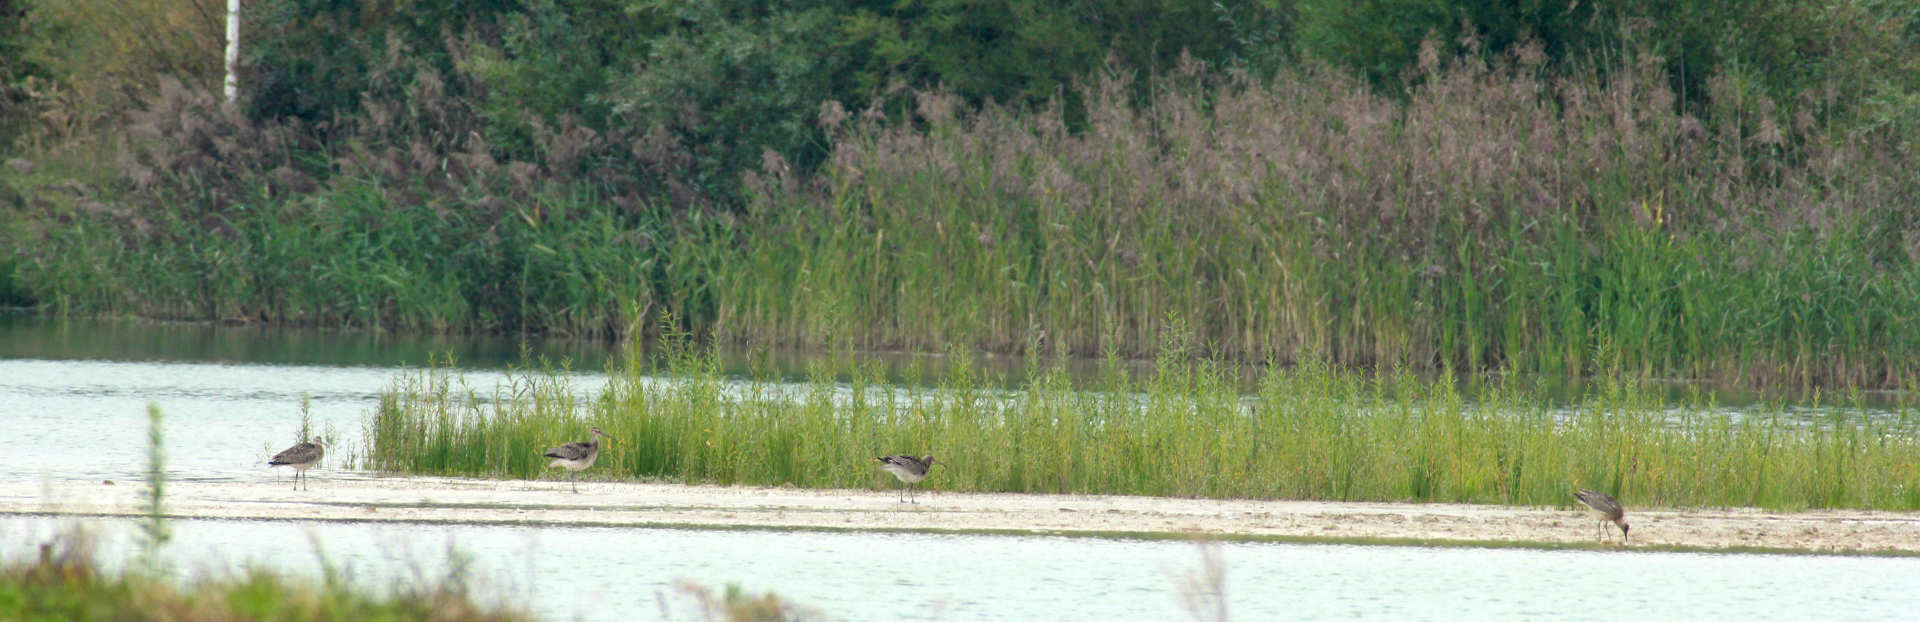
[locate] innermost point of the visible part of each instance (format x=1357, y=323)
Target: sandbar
x=358, y=496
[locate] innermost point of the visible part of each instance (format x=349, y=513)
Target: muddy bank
x=357, y=497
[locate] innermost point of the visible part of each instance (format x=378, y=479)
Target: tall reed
x=1307, y=432
x=1493, y=219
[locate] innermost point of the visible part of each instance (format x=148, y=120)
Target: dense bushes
x=710, y=86
x=727, y=80
x=723, y=80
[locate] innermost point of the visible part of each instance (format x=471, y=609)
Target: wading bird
x=909, y=469
x=577, y=455
x=1606, y=508
x=301, y=456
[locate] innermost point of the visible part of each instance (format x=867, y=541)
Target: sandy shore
x=341, y=496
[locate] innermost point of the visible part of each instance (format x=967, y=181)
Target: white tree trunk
x=233, y=48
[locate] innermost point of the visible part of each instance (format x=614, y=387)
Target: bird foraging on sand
x=909, y=469
x=301, y=456
x=577, y=455
x=1607, y=509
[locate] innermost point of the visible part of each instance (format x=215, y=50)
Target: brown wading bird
x=909, y=469
x=577, y=455
x=1606, y=508
x=301, y=456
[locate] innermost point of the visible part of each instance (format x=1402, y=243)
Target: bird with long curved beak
x=577, y=455
x=301, y=456
x=1607, y=509
x=909, y=469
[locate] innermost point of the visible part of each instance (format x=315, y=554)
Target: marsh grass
x=1186, y=430
x=1493, y=218
x=67, y=582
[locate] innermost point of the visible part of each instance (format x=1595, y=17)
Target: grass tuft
x=66, y=583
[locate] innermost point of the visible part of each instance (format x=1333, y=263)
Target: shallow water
x=616, y=573
x=76, y=419
x=77, y=412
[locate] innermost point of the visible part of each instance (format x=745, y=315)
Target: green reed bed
x=1187, y=430
x=1488, y=218
x=1492, y=221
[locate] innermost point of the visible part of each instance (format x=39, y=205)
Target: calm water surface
x=618, y=574
x=72, y=406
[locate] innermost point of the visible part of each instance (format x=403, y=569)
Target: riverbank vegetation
x=1662, y=189
x=66, y=582
x=1186, y=430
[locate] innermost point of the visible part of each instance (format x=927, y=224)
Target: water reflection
x=148, y=341
x=34, y=337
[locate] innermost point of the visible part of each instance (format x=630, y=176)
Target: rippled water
x=82, y=416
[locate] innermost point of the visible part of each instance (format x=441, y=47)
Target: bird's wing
x=569, y=451
x=303, y=452
x=1598, y=500
x=904, y=464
